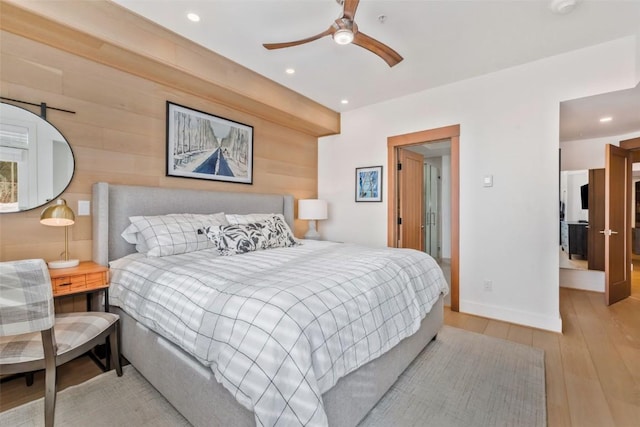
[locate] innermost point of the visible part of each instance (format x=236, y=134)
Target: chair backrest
x=26, y=297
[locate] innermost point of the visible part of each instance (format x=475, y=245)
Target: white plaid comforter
x=279, y=327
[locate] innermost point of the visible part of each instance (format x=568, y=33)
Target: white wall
x=638, y=55
x=588, y=153
x=509, y=129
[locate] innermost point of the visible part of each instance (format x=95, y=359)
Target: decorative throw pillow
x=253, y=218
x=171, y=234
x=242, y=238
x=278, y=233
x=237, y=238
x=249, y=218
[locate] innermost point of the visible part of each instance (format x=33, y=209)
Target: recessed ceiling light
x=193, y=17
x=290, y=71
x=606, y=119
x=344, y=101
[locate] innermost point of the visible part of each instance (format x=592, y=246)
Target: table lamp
x=312, y=210
x=60, y=215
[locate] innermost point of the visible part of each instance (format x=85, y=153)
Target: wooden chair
x=32, y=337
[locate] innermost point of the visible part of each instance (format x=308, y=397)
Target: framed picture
x=204, y=146
x=369, y=184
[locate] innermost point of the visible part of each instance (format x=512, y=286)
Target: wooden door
x=617, y=229
x=394, y=144
x=595, y=239
x=411, y=200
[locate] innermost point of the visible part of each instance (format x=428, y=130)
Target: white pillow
x=171, y=234
x=133, y=236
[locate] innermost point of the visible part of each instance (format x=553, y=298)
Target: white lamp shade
x=312, y=209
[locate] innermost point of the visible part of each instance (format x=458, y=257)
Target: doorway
x=395, y=145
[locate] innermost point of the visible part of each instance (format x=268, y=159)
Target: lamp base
x=312, y=232
x=63, y=264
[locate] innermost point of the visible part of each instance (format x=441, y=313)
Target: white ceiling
x=433, y=149
x=580, y=118
x=441, y=41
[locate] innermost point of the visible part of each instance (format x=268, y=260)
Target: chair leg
x=50, y=378
x=50, y=396
x=114, y=340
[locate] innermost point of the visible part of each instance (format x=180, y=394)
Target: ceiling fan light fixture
x=343, y=36
x=345, y=31
x=562, y=7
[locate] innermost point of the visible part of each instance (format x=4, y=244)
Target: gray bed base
x=188, y=385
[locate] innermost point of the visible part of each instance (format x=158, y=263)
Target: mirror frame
x=73, y=158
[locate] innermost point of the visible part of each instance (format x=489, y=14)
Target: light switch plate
x=84, y=207
x=487, y=181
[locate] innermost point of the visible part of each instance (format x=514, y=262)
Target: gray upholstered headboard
x=114, y=204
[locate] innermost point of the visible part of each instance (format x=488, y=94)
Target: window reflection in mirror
x=36, y=161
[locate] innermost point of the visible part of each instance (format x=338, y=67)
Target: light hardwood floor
x=592, y=369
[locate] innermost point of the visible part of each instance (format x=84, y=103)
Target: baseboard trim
x=586, y=280
x=534, y=320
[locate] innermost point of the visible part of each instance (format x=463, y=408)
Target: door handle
x=608, y=232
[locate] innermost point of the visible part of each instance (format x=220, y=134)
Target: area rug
x=460, y=379
x=467, y=379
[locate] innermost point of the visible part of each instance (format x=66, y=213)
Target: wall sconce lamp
x=312, y=210
x=60, y=215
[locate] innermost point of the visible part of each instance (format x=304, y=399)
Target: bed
x=182, y=375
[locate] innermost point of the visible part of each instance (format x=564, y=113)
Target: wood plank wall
x=118, y=135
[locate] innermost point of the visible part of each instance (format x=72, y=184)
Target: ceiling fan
x=344, y=31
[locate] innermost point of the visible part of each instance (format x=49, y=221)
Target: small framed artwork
x=369, y=184
x=204, y=146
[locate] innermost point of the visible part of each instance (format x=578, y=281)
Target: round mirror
x=36, y=161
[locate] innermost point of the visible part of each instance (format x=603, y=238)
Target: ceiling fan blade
x=350, y=7
x=327, y=32
x=390, y=56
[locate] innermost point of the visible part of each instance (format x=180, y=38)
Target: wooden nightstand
x=88, y=277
